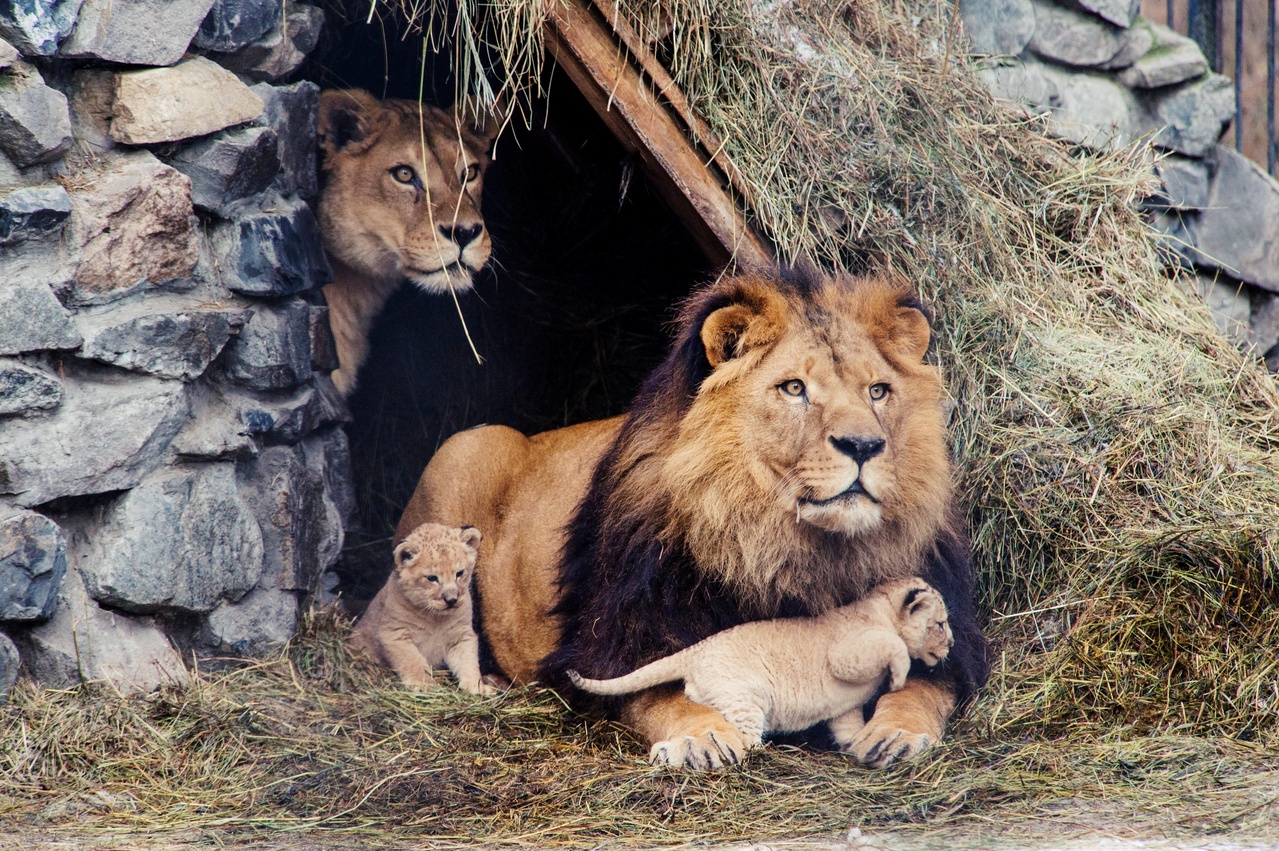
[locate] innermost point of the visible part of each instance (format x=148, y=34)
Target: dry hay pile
x=1118, y=465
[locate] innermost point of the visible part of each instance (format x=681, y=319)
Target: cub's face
x=433, y=566
x=922, y=621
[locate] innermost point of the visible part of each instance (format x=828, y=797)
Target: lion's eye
x=459, y=573
x=472, y=172
x=404, y=174
x=793, y=387
x=432, y=578
x=879, y=391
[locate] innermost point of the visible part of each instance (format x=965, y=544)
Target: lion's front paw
x=709, y=750
x=418, y=681
x=881, y=745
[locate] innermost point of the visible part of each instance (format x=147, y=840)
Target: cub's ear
x=733, y=330
x=403, y=555
x=347, y=120
x=915, y=599
x=471, y=537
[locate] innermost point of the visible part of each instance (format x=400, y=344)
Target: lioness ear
x=471, y=537
x=346, y=120
x=733, y=330
x=482, y=123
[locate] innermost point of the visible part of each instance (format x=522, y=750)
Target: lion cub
x=788, y=674
x=422, y=616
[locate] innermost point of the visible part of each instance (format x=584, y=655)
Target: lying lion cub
x=422, y=616
x=788, y=674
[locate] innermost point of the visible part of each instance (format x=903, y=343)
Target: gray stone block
x=270, y=249
x=32, y=213
x=1172, y=58
x=135, y=32
x=1118, y=12
x=32, y=319
x=281, y=51
x=157, y=104
x=324, y=350
x=293, y=112
x=329, y=454
x=10, y=664
x=33, y=561
x=25, y=389
x=1073, y=38
x=1190, y=118
x=179, y=343
x=37, y=26
x=83, y=642
x=104, y=437
x=232, y=24
x=1229, y=302
x=1263, y=323
x=1022, y=81
x=288, y=421
x=35, y=122
x=1091, y=109
x=216, y=430
x=997, y=27
x=260, y=623
x=182, y=540
x=1134, y=43
x=1238, y=230
x=229, y=166
x=8, y=54
x=273, y=351
x=1184, y=183
x=134, y=227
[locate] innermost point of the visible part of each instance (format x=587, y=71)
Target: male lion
x=787, y=456
x=400, y=199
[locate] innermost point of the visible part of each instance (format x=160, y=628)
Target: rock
x=1118, y=12
x=1263, y=324
x=1238, y=229
x=183, y=540
x=135, y=32
x=324, y=350
x=232, y=24
x=37, y=26
x=997, y=27
x=293, y=112
x=1172, y=58
x=1190, y=118
x=271, y=249
x=10, y=664
x=301, y=529
x=1134, y=43
x=280, y=52
x=1073, y=38
x=273, y=351
x=229, y=166
x=216, y=430
x=134, y=226
x=168, y=344
x=32, y=319
x=1185, y=183
x=35, y=123
x=1228, y=300
x=1091, y=109
x=24, y=389
x=32, y=213
x=8, y=54
x=33, y=561
x=92, y=100
x=1022, y=82
x=83, y=642
x=263, y=621
x=294, y=418
x=194, y=98
x=104, y=437
x=328, y=453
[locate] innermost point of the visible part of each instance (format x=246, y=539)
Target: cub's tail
x=665, y=670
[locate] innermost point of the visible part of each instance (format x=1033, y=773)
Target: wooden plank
x=601, y=68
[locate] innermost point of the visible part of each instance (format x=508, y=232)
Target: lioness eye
x=472, y=172
x=403, y=174
x=432, y=579
x=879, y=391
x=793, y=387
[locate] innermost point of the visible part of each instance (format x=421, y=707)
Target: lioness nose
x=860, y=449
x=463, y=235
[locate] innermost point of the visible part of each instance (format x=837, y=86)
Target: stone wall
x=1101, y=75
x=173, y=473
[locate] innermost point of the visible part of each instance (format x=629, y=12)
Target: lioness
x=787, y=456
x=788, y=674
x=400, y=198
x=421, y=618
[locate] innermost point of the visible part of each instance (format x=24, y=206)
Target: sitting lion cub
x=422, y=616
x=788, y=674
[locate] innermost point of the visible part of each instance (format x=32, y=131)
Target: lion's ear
x=914, y=333
x=471, y=537
x=347, y=120
x=731, y=331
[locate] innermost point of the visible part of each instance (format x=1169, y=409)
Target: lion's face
x=401, y=196
x=921, y=619
x=433, y=565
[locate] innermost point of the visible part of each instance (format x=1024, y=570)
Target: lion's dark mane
x=626, y=599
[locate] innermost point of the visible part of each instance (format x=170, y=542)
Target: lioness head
x=401, y=195
x=921, y=618
x=805, y=457
x=433, y=565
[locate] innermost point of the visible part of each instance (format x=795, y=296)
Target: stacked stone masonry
x=1103, y=76
x=174, y=480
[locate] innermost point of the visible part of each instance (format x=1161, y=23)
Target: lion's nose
x=463, y=235
x=860, y=449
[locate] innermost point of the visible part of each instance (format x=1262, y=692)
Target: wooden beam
x=603, y=70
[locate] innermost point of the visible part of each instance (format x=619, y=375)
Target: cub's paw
x=710, y=750
x=418, y=682
x=880, y=745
